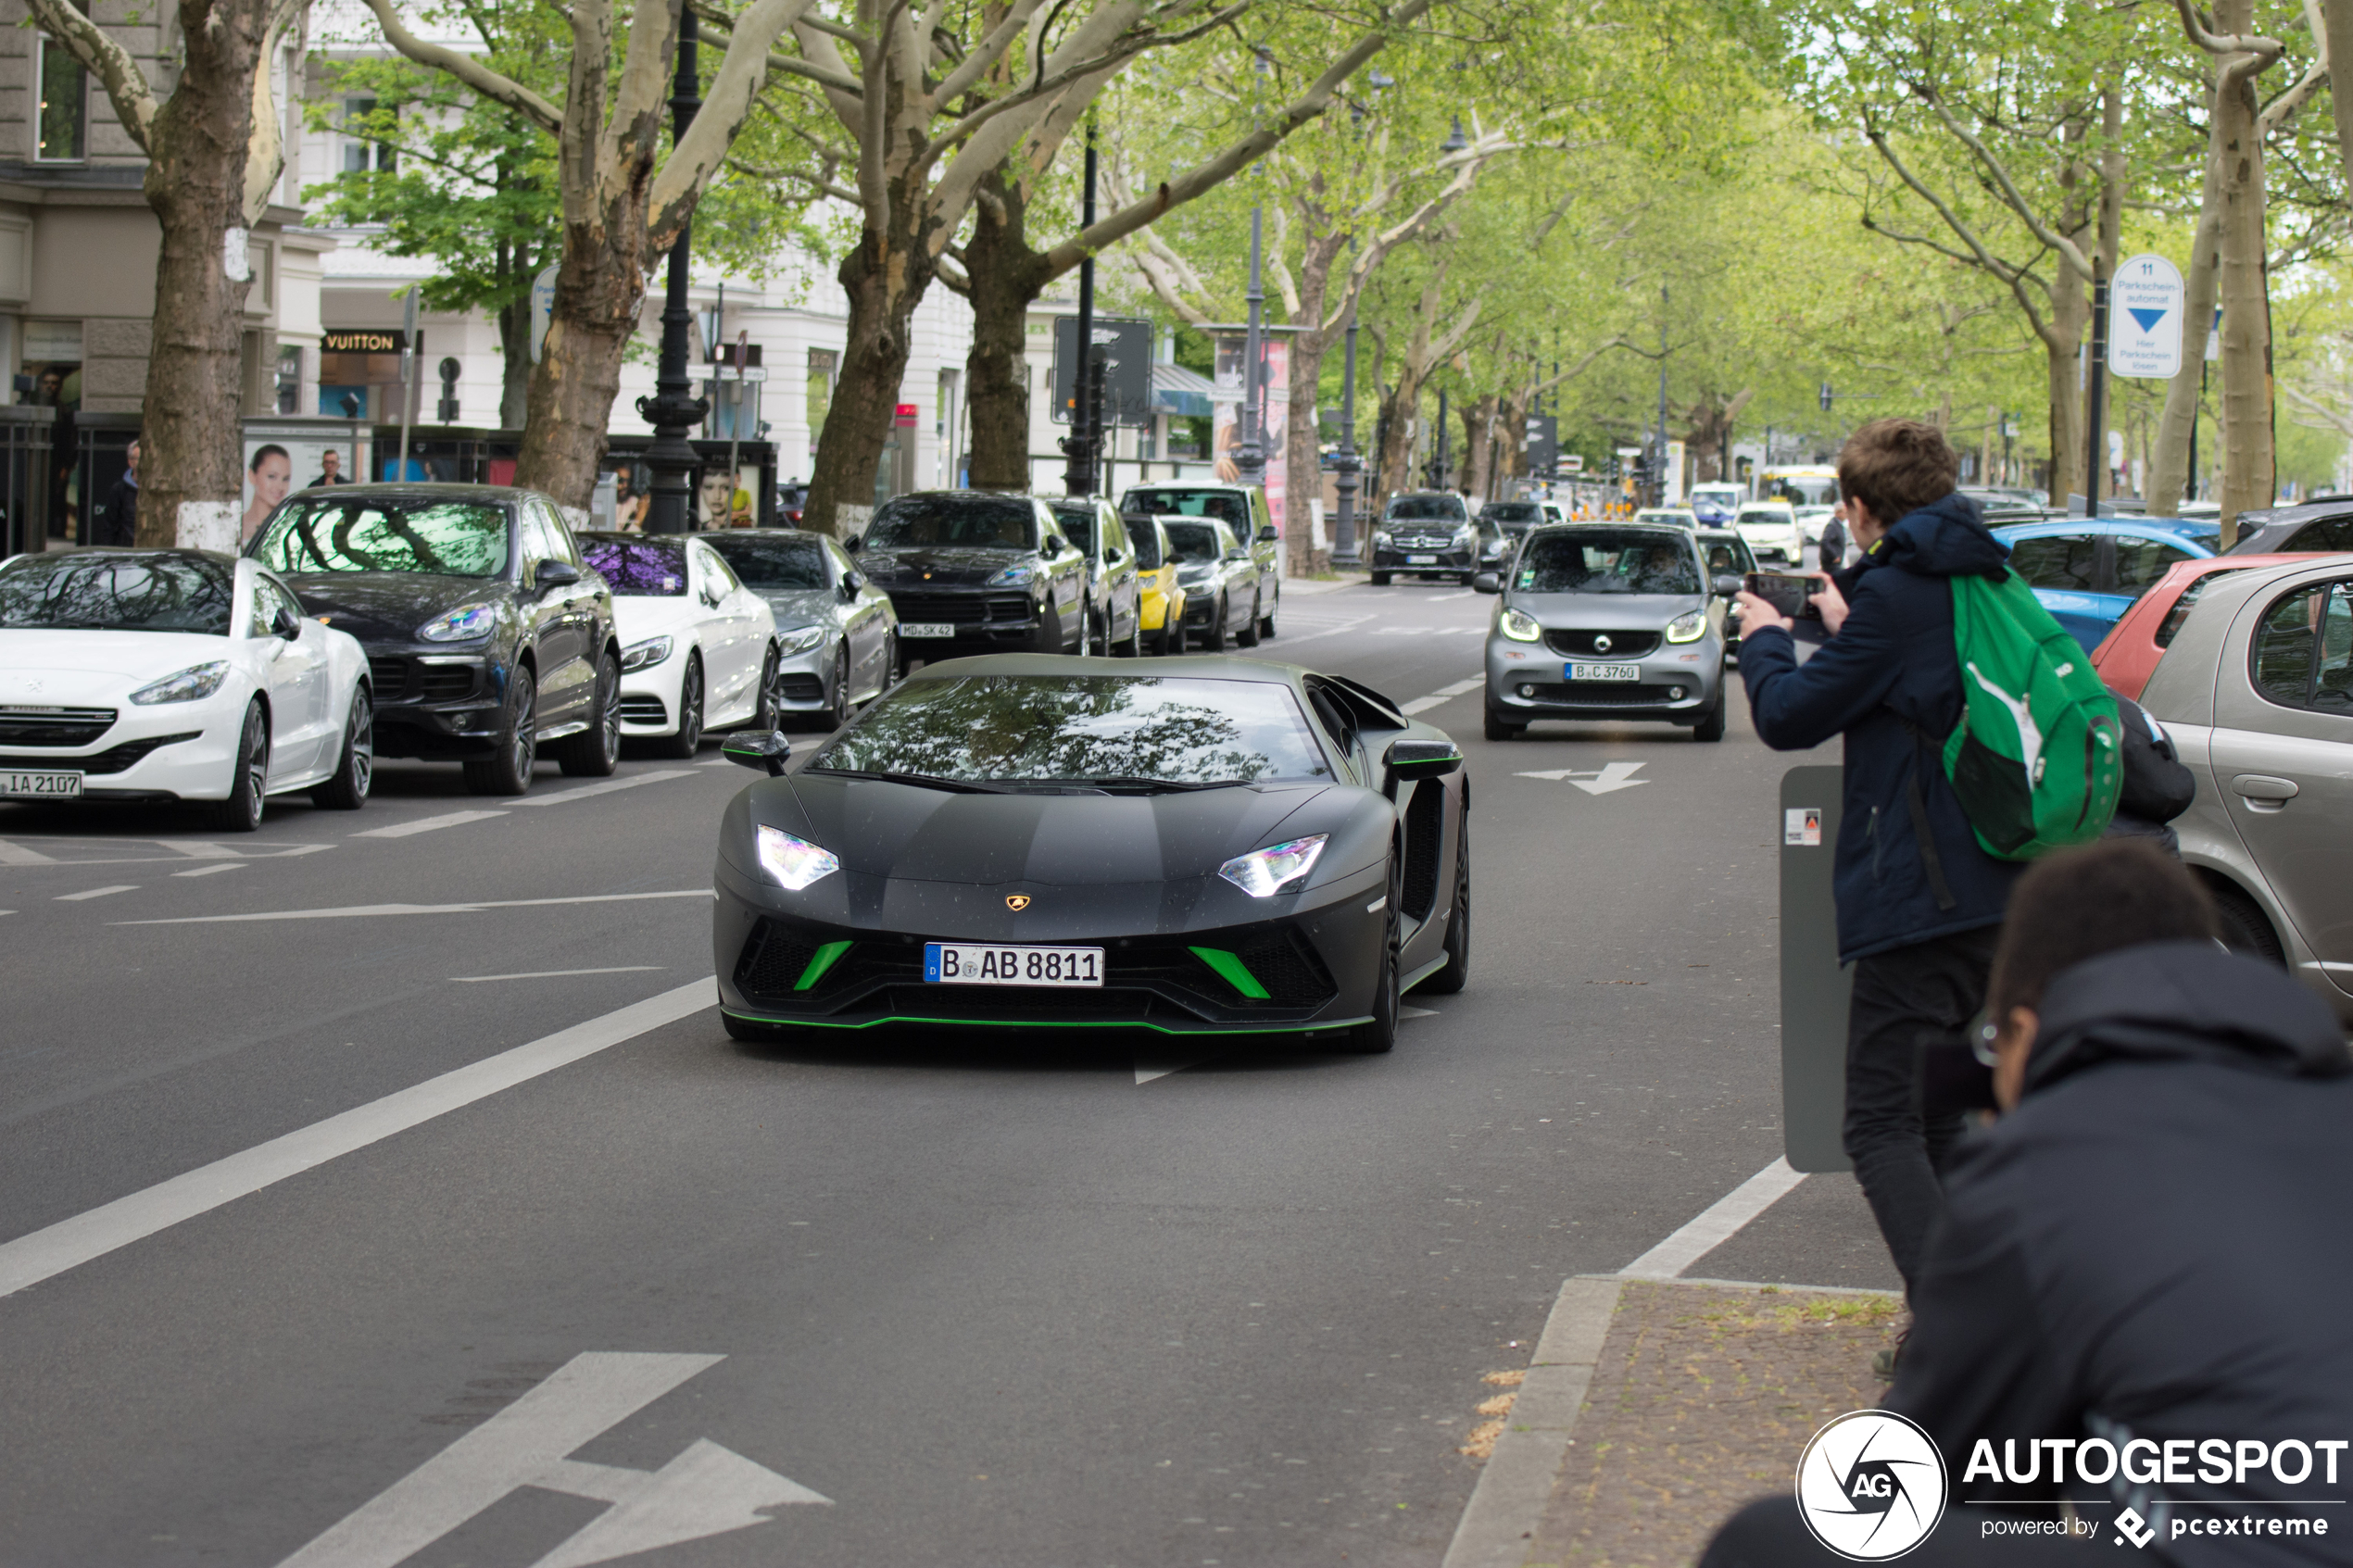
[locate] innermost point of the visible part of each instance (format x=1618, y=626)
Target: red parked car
x=2127, y=655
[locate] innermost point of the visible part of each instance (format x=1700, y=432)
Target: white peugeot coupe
x=174, y=675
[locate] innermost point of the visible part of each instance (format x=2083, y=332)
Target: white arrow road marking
x=705, y=1491
x=1612, y=776
x=17, y=854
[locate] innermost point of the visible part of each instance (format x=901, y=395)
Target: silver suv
x=1607, y=621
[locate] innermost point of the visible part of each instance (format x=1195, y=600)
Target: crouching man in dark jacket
x=1919, y=903
x=2152, y=1247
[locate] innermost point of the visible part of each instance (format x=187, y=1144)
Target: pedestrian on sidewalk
x=118, y=520
x=1920, y=902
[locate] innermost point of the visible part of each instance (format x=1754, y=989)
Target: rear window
x=2060, y=561
x=453, y=538
x=1146, y=538
x=1513, y=511
x=1606, y=560
x=90, y=591
x=777, y=562
x=1223, y=505
x=1194, y=541
x=638, y=567
x=1077, y=525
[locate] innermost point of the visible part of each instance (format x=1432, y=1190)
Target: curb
x=1517, y=1482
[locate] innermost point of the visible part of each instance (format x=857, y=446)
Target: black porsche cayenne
x=974, y=571
x=1200, y=846
x=486, y=635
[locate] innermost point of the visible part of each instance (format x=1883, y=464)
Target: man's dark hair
x=1896, y=467
x=2080, y=903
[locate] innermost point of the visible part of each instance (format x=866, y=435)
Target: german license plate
x=965, y=963
x=1421, y=561
x=1604, y=671
x=41, y=786
x=926, y=629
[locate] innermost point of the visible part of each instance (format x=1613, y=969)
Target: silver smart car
x=838, y=634
x=1607, y=621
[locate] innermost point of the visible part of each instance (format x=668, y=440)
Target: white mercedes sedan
x=698, y=649
x=170, y=675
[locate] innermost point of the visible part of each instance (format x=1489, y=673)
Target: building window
x=289, y=379
x=64, y=126
x=359, y=154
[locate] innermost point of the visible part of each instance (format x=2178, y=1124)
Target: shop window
x=63, y=129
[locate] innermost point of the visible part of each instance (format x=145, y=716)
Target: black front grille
x=643, y=710
x=800, y=688
x=774, y=960
x=1602, y=694
x=963, y=609
x=1288, y=968
x=114, y=759
x=1422, y=541
x=445, y=682
x=54, y=726
x=1425, y=833
x=388, y=676
x=1579, y=643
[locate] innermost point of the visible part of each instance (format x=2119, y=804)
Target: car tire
x=835, y=714
x=2245, y=929
x=1214, y=634
x=1134, y=646
x=1456, y=974
x=1246, y=635
x=355, y=769
x=769, y=716
x=1266, y=622
x=1380, y=579
x=687, y=740
x=1499, y=730
x=508, y=771
x=1712, y=727
x=1377, y=1035
x=595, y=752
x=248, y=784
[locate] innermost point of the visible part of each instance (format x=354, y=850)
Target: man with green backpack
x=1977, y=736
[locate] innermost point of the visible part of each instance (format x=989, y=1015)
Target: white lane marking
x=354, y=911
x=201, y=849
x=1404, y=630
x=1460, y=688
x=1417, y=1012
x=1290, y=641
x=1161, y=1067
x=428, y=824
x=1458, y=594
x=97, y=893
x=607, y=787
x=216, y=866
x=1716, y=1224
x=552, y=973
x=17, y=854
x=52, y=1250
x=707, y=1490
x=7, y=911
x=1443, y=695
x=718, y=762
x=1611, y=777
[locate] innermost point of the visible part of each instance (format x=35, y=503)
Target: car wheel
x=1377, y=1035
x=508, y=771
x=688, y=740
x=1214, y=634
x=1380, y=579
x=348, y=791
x=241, y=813
x=836, y=712
x=1246, y=635
x=1456, y=974
x=890, y=666
x=770, y=716
x=1134, y=646
x=2245, y=929
x=1498, y=729
x=1712, y=727
x=595, y=752
x=1267, y=623
x=1049, y=628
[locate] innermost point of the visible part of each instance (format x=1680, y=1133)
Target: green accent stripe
x=1042, y=1023
x=823, y=962
x=1237, y=974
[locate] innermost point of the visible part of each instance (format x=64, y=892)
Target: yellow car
x=1162, y=600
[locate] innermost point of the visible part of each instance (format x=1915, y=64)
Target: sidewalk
x=1654, y=1409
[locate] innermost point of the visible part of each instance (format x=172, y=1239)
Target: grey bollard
x=1814, y=988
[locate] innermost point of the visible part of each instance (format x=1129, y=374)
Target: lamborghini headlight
x=795, y=863
x=1688, y=628
x=1280, y=868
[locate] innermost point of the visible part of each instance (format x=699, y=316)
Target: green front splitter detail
x=1039, y=1024
x=822, y=961
x=1235, y=972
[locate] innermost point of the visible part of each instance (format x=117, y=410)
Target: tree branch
x=2067, y=249
x=127, y=89
x=464, y=67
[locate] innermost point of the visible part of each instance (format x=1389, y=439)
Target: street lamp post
x=674, y=409
x=1658, y=468
x=1438, y=446
x=1085, y=414
x=1344, y=552
x=1250, y=451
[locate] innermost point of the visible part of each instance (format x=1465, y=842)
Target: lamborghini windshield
x=1115, y=731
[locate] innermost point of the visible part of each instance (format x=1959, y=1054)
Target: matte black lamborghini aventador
x=1199, y=846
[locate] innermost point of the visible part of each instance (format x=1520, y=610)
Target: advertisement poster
x=279, y=463
x=1227, y=417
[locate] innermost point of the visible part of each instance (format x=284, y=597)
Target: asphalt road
x=982, y=1300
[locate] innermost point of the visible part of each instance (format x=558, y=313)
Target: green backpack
x=2036, y=759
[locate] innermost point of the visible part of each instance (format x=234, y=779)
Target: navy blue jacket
x=2153, y=1246
x=1891, y=661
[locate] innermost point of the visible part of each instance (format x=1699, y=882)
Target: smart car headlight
x=193, y=684
x=1013, y=576
x=795, y=863
x=1521, y=627
x=801, y=639
x=1688, y=628
x=1280, y=868
x=458, y=625
x=645, y=655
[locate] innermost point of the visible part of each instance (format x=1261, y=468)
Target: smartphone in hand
x=1791, y=593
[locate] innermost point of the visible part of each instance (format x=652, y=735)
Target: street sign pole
x=2094, y=388
x=408, y=378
